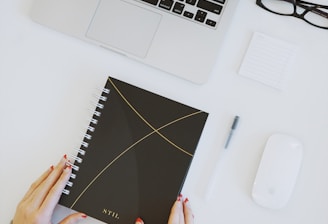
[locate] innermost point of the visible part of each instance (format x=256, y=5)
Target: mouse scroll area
x=278, y=171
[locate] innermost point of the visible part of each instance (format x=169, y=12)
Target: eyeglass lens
x=317, y=16
x=279, y=6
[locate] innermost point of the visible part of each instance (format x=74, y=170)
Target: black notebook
x=134, y=157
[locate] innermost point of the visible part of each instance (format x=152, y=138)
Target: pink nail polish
x=65, y=156
x=186, y=200
x=52, y=168
x=84, y=216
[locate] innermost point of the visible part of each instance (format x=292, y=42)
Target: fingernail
x=84, y=216
x=179, y=197
x=139, y=221
x=186, y=200
x=52, y=168
x=65, y=156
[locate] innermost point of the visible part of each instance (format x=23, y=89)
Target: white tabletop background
x=47, y=81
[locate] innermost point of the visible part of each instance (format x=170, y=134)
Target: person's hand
x=38, y=204
x=181, y=213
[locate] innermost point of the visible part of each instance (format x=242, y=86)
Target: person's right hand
x=181, y=213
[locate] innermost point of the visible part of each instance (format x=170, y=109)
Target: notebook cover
x=138, y=157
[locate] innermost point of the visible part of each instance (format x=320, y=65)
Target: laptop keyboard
x=206, y=12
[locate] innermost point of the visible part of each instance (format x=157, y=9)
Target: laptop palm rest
x=133, y=34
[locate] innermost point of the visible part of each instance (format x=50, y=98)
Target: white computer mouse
x=278, y=171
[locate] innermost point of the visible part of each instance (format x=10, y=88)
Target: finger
x=139, y=221
x=176, y=215
x=74, y=218
x=188, y=214
x=54, y=194
x=36, y=183
x=39, y=194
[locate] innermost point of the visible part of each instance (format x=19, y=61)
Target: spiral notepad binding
x=80, y=152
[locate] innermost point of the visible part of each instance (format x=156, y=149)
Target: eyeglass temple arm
x=313, y=8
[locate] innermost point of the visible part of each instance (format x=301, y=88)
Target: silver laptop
x=181, y=37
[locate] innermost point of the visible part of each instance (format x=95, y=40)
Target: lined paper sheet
x=268, y=60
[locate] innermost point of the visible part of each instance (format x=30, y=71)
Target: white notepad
x=268, y=60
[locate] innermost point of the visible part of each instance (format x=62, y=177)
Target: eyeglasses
x=314, y=14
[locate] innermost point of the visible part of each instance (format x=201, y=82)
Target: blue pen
x=233, y=127
x=211, y=183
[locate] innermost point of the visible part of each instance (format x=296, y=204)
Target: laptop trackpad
x=124, y=26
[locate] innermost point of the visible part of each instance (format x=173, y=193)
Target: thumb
x=74, y=218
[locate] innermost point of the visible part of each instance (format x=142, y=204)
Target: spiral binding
x=80, y=152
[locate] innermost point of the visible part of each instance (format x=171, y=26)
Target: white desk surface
x=47, y=80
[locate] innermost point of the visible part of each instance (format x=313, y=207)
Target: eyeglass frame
x=315, y=8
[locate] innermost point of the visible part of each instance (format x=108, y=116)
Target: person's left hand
x=39, y=202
